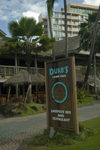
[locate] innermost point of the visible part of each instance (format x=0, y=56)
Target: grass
x=30, y=111
x=88, y=139
x=84, y=101
x=38, y=109
x=22, y=109
x=87, y=100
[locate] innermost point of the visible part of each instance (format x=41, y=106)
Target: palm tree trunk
x=28, y=63
x=30, y=92
x=29, y=71
x=36, y=65
x=65, y=10
x=16, y=65
x=50, y=25
x=36, y=71
x=95, y=87
x=51, y=35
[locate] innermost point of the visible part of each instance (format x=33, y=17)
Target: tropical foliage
x=50, y=6
x=12, y=46
x=26, y=37
x=85, y=33
x=90, y=37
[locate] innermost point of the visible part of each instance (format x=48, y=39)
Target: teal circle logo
x=66, y=93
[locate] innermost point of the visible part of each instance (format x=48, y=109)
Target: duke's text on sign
x=61, y=94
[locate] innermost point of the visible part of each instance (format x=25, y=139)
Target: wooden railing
x=11, y=70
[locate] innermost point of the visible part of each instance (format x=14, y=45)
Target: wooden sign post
x=61, y=94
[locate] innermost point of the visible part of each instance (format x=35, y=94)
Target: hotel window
x=60, y=38
x=56, y=21
x=54, y=26
x=54, y=33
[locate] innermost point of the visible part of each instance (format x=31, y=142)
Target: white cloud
x=31, y=14
x=92, y=2
x=56, y=4
x=14, y=9
x=4, y=18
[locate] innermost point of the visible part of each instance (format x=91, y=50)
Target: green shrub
x=90, y=132
x=41, y=140
x=62, y=137
x=98, y=91
x=86, y=133
x=81, y=127
x=82, y=93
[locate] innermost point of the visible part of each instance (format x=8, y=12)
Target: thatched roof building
x=38, y=78
x=23, y=77
x=73, y=45
x=79, y=75
x=1, y=42
x=91, y=81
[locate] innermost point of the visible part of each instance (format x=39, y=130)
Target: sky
x=14, y=9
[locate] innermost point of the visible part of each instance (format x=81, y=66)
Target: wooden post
x=27, y=94
x=23, y=90
x=76, y=123
x=47, y=100
x=30, y=88
x=8, y=93
x=0, y=90
x=36, y=92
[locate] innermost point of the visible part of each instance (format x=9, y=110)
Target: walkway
x=14, y=130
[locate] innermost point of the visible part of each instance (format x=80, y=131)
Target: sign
x=61, y=94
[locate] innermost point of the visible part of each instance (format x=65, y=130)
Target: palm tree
x=87, y=30
x=50, y=6
x=65, y=10
x=25, y=30
x=29, y=34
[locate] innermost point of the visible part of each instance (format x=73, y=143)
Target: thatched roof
x=73, y=45
x=2, y=42
x=91, y=81
x=38, y=78
x=23, y=77
x=2, y=33
x=79, y=75
x=80, y=78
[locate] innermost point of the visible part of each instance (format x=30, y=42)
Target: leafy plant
x=62, y=137
x=98, y=91
x=82, y=93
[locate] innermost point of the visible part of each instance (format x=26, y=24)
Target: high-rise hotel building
x=76, y=14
